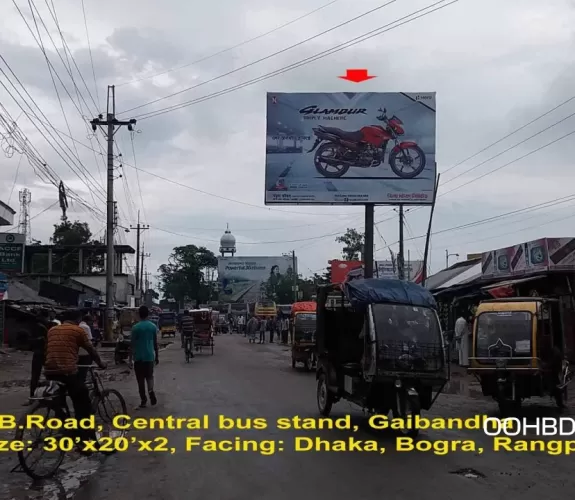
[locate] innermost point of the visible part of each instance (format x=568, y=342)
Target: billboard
x=12, y=251
x=342, y=270
x=534, y=256
x=350, y=148
x=243, y=279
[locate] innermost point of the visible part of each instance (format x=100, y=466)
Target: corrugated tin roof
x=21, y=293
x=437, y=280
x=469, y=274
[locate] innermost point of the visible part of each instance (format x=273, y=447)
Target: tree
x=186, y=275
x=74, y=234
x=353, y=242
x=71, y=233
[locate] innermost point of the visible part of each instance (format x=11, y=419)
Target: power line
x=371, y=11
x=223, y=51
x=138, y=176
x=90, y=51
x=378, y=31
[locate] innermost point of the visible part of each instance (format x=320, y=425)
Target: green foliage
x=186, y=277
x=353, y=242
x=71, y=233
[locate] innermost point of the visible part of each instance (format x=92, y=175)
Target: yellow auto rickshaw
x=303, y=324
x=168, y=324
x=518, y=351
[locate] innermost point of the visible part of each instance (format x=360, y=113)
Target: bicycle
x=52, y=398
x=189, y=348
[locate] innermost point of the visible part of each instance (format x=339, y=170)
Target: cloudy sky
x=495, y=65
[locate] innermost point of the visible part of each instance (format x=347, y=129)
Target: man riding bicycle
x=62, y=352
x=188, y=329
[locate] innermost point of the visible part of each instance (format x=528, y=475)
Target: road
x=243, y=380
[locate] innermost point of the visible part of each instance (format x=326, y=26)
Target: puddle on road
x=469, y=473
x=464, y=387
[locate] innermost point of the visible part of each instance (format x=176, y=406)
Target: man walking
x=85, y=358
x=462, y=338
x=285, y=329
x=145, y=354
x=263, y=328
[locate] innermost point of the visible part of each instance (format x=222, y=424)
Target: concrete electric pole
x=144, y=255
x=140, y=228
x=109, y=126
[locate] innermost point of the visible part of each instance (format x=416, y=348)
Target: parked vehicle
x=518, y=351
x=168, y=324
x=123, y=348
x=383, y=350
x=203, y=330
x=365, y=148
x=303, y=324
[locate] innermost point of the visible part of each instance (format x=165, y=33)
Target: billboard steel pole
x=428, y=236
x=368, y=243
x=401, y=260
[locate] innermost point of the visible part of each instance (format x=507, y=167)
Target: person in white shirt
x=83, y=357
x=462, y=337
x=285, y=329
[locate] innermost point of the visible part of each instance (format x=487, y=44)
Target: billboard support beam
x=368, y=243
x=401, y=260
x=428, y=235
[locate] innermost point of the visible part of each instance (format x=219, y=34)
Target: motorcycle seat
x=349, y=136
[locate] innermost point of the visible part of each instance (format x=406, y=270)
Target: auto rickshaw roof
x=307, y=306
x=520, y=299
x=362, y=292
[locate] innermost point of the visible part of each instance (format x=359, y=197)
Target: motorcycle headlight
x=501, y=363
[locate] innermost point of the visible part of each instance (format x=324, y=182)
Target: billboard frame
x=418, y=99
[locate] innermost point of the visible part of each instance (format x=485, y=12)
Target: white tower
x=227, y=243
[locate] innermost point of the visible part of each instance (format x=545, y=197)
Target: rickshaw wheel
x=324, y=397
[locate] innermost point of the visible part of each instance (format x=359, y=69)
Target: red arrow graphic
x=357, y=75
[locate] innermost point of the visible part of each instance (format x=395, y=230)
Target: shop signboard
x=12, y=252
x=246, y=279
x=3, y=286
x=531, y=257
x=341, y=268
x=561, y=253
x=350, y=148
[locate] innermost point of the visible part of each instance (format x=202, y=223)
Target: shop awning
x=504, y=289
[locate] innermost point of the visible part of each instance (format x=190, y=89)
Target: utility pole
x=109, y=126
x=447, y=255
x=401, y=260
x=368, y=241
x=294, y=267
x=144, y=255
x=140, y=228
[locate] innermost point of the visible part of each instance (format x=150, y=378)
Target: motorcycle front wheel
x=403, y=158
x=329, y=150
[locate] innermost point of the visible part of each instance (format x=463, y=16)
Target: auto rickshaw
x=168, y=324
x=518, y=348
x=380, y=347
x=303, y=324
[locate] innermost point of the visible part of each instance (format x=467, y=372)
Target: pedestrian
x=263, y=327
x=272, y=329
x=462, y=335
x=285, y=329
x=38, y=341
x=145, y=355
x=252, y=328
x=242, y=324
x=62, y=352
x=84, y=357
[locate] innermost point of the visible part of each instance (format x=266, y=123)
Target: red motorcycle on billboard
x=366, y=148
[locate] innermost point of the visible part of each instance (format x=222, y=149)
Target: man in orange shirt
x=62, y=351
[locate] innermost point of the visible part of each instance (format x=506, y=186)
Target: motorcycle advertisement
x=350, y=148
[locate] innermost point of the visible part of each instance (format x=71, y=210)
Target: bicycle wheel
x=30, y=466
x=109, y=405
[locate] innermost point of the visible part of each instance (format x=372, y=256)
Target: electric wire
x=228, y=49
x=378, y=31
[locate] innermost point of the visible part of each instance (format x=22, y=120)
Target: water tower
x=227, y=243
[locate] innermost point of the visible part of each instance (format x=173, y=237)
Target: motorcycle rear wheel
x=395, y=163
x=321, y=169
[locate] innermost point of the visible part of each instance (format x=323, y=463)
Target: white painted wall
x=123, y=285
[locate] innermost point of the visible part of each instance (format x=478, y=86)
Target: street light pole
x=447, y=255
